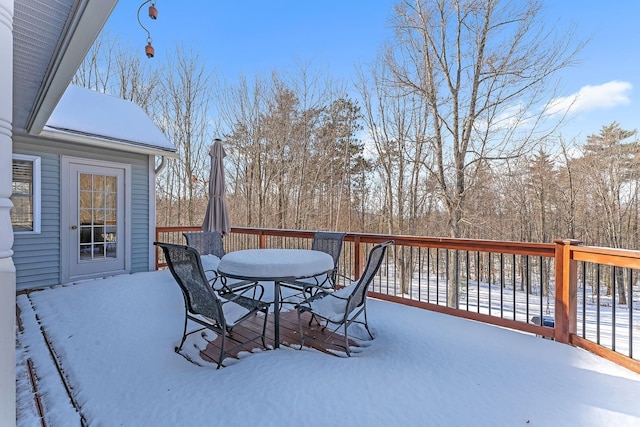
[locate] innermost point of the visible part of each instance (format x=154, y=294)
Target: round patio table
x=275, y=265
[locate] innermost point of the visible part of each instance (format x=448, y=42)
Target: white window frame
x=36, y=180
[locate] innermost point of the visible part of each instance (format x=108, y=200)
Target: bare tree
x=483, y=69
x=111, y=68
x=294, y=151
x=542, y=184
x=95, y=71
x=612, y=165
x=184, y=120
x=241, y=108
x=568, y=189
x=137, y=80
x=397, y=124
x=341, y=153
x=281, y=133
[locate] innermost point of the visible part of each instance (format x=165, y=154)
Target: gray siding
x=37, y=257
x=140, y=216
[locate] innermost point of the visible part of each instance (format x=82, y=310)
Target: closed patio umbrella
x=216, y=217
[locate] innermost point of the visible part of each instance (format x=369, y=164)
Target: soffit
x=38, y=27
x=50, y=40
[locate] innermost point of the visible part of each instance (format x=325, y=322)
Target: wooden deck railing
x=547, y=289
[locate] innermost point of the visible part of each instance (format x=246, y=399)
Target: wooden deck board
x=289, y=336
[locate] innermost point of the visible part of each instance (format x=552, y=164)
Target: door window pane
x=85, y=182
x=98, y=217
x=111, y=183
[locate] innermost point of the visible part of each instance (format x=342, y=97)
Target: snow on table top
x=275, y=263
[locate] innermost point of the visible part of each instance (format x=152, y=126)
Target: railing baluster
x=478, y=268
x=613, y=308
x=395, y=271
x=598, y=304
x=410, y=278
x=446, y=277
x=542, y=278
x=468, y=277
x=584, y=299
x=428, y=274
x=527, y=282
x=437, y=276
x=502, y=285
x=456, y=267
x=489, y=280
x=419, y=273
x=541, y=286
x=630, y=309
x=513, y=282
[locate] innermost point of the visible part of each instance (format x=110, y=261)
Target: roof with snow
x=95, y=118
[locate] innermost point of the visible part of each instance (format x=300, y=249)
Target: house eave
x=106, y=142
x=83, y=28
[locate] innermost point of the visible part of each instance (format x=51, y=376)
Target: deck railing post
x=565, y=291
x=357, y=258
x=262, y=241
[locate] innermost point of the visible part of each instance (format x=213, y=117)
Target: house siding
x=37, y=257
x=140, y=216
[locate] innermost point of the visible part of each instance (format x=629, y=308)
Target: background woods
x=445, y=135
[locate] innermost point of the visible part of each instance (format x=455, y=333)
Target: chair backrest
x=186, y=268
x=328, y=242
x=206, y=242
x=376, y=255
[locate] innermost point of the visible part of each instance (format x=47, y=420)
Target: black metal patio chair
x=203, y=305
x=343, y=307
x=329, y=243
x=206, y=242
x=210, y=243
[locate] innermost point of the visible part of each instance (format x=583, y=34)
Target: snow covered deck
x=114, y=341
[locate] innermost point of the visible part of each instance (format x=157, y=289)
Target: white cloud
x=604, y=96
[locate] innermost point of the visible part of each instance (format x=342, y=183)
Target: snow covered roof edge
x=94, y=116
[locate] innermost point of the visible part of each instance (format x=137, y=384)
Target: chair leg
x=346, y=339
x=224, y=335
x=264, y=327
x=184, y=334
x=366, y=323
x=300, y=327
x=313, y=317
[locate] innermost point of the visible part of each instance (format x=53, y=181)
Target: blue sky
x=255, y=37
x=607, y=77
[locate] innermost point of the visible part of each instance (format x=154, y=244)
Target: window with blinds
x=25, y=185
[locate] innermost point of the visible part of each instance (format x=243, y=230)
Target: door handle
x=73, y=227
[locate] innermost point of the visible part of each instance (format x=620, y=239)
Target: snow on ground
x=115, y=339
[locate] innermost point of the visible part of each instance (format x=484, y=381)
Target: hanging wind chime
x=153, y=14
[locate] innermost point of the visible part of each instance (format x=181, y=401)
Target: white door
x=93, y=226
